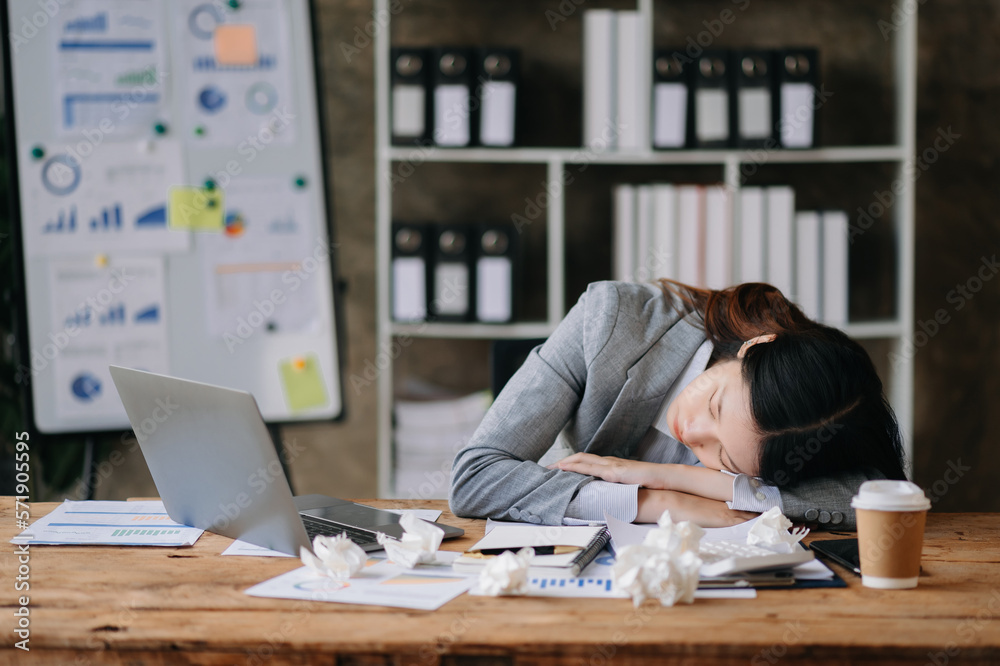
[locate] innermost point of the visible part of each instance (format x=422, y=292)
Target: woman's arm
x=496, y=475
x=682, y=506
x=701, y=481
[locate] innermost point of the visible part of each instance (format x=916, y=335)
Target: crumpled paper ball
x=674, y=538
x=507, y=573
x=664, y=567
x=336, y=557
x=419, y=543
x=771, y=530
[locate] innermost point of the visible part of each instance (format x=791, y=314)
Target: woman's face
x=711, y=416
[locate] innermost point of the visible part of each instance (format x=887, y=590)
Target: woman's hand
x=699, y=510
x=617, y=470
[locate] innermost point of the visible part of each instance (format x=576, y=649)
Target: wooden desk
x=97, y=605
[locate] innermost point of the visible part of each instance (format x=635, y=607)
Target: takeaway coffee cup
x=891, y=517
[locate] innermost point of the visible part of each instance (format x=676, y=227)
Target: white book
x=599, y=68
x=836, y=237
x=780, y=208
x=664, y=231
x=644, y=259
x=624, y=233
x=752, y=236
x=690, y=234
x=808, y=263
x=718, y=238
x=633, y=81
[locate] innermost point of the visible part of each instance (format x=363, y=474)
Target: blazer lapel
x=648, y=381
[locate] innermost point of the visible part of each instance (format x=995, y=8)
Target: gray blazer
x=597, y=384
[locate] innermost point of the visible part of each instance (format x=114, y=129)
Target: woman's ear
x=767, y=337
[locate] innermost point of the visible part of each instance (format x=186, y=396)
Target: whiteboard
x=171, y=203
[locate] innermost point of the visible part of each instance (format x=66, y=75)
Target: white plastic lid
x=890, y=496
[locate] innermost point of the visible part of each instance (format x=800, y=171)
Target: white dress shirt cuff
x=597, y=497
x=752, y=494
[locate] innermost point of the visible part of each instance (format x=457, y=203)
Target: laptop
x=215, y=466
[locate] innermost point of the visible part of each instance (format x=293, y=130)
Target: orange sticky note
x=236, y=45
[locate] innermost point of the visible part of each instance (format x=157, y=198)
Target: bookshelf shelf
x=889, y=153
x=475, y=331
x=845, y=154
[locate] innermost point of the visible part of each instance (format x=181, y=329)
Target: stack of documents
x=428, y=434
x=109, y=524
x=707, y=236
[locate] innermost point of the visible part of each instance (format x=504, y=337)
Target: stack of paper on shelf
x=427, y=435
x=705, y=236
x=617, y=80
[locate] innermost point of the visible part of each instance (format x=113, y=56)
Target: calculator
x=722, y=558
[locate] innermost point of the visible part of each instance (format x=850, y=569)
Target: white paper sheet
x=110, y=76
x=264, y=272
x=380, y=583
x=111, y=200
x=243, y=108
x=239, y=547
x=113, y=314
x=108, y=523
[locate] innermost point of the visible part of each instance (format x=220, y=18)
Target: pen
x=539, y=550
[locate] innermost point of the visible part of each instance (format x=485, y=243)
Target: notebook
x=562, y=548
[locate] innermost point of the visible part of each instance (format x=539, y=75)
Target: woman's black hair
x=815, y=395
x=819, y=407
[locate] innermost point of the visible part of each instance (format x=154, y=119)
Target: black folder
x=756, y=114
x=498, y=73
x=411, y=102
x=796, y=80
x=713, y=104
x=410, y=245
x=451, y=273
x=672, y=100
x=453, y=76
x=497, y=273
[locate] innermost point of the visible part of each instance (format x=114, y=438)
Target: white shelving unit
x=896, y=331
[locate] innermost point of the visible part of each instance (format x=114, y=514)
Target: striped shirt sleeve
x=597, y=497
x=752, y=494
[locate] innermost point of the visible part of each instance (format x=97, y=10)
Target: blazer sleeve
x=497, y=475
x=825, y=502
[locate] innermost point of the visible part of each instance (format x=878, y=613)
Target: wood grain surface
x=104, y=605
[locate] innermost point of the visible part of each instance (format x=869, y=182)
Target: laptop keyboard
x=316, y=528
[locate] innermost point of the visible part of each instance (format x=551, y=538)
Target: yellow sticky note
x=303, y=383
x=196, y=209
x=235, y=45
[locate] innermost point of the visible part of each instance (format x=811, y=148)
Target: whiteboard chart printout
x=105, y=314
x=238, y=74
x=109, y=523
x=109, y=68
x=264, y=270
x=113, y=200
